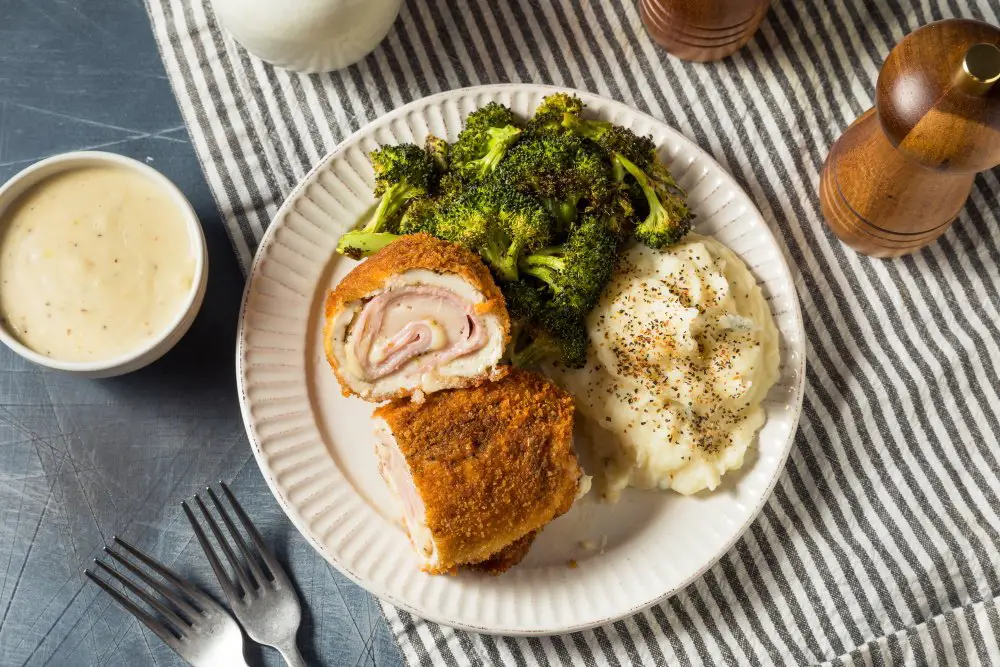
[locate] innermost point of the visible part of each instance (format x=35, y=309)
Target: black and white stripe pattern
x=881, y=544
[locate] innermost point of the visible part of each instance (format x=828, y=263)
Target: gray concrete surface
x=81, y=461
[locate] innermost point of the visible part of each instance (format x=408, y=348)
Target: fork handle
x=291, y=655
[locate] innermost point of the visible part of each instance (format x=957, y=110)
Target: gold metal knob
x=980, y=68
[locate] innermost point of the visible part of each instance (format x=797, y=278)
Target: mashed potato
x=684, y=350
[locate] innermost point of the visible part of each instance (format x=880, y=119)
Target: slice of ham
x=413, y=321
x=396, y=474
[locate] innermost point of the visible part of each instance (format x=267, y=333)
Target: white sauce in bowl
x=95, y=262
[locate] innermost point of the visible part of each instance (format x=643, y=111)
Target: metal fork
x=194, y=625
x=264, y=603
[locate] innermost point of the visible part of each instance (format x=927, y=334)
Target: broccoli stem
x=656, y=210
x=395, y=198
x=663, y=226
x=501, y=256
x=563, y=211
x=359, y=243
x=617, y=171
x=640, y=176
x=546, y=265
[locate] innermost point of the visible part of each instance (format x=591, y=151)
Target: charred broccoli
x=614, y=139
x=402, y=173
x=578, y=270
x=562, y=171
x=548, y=117
x=547, y=205
x=524, y=300
x=566, y=345
x=669, y=217
x=488, y=133
x=619, y=212
x=543, y=332
x=498, y=223
x=420, y=215
x=438, y=150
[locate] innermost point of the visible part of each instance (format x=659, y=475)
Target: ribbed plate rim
x=299, y=521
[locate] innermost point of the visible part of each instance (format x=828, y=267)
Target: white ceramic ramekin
x=308, y=35
x=157, y=346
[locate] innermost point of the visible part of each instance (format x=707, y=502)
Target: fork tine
x=238, y=538
x=158, y=586
x=168, y=574
x=220, y=539
x=176, y=621
x=272, y=563
x=228, y=587
x=154, y=625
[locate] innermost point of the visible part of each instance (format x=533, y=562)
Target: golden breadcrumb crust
x=507, y=558
x=492, y=463
x=415, y=251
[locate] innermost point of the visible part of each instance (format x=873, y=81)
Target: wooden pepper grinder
x=900, y=174
x=702, y=30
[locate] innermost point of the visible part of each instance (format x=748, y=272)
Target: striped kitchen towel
x=881, y=543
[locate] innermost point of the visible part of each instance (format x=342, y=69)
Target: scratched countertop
x=83, y=460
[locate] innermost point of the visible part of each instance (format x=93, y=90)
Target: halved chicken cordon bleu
x=506, y=558
x=416, y=317
x=479, y=471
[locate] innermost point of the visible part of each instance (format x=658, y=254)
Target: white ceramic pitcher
x=308, y=35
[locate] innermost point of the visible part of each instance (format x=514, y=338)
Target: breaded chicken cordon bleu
x=419, y=316
x=479, y=471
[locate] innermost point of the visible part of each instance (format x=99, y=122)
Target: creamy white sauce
x=94, y=263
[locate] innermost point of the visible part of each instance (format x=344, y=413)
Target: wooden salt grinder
x=702, y=30
x=900, y=174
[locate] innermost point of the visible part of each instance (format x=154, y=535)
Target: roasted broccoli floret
x=498, y=223
x=551, y=203
x=638, y=149
x=362, y=244
x=578, y=270
x=488, y=133
x=420, y=215
x=438, y=150
x=450, y=186
x=568, y=346
x=493, y=114
x=619, y=212
x=548, y=117
x=475, y=228
x=614, y=139
x=524, y=300
x=402, y=173
x=592, y=129
x=669, y=217
x=562, y=171
x=543, y=332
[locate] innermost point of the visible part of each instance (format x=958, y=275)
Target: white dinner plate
x=315, y=447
